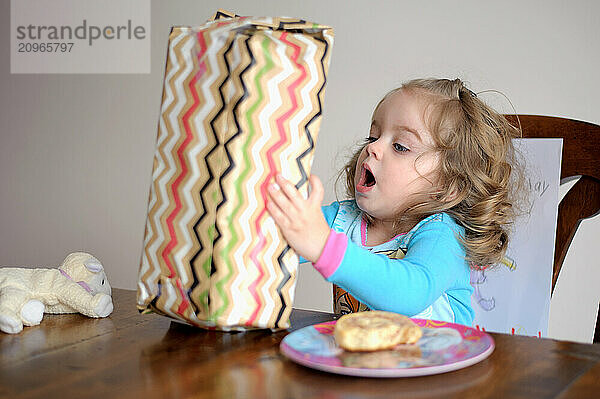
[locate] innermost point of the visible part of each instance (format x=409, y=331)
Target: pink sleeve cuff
x=332, y=254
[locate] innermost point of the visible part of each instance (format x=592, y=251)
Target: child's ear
x=450, y=194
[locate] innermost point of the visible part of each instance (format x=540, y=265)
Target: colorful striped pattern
x=242, y=100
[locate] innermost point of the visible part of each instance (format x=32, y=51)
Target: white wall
x=76, y=150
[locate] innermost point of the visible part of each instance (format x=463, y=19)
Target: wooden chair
x=580, y=157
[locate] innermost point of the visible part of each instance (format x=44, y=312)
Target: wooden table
x=133, y=355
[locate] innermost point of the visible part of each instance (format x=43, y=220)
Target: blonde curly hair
x=476, y=160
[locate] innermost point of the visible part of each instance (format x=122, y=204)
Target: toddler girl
x=431, y=198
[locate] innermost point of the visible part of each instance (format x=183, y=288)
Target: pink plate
x=444, y=347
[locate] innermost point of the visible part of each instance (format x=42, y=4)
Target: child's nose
x=374, y=149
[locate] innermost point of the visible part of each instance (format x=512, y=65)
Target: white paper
x=514, y=297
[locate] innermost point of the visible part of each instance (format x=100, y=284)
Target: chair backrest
x=580, y=157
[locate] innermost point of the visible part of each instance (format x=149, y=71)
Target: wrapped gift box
x=242, y=100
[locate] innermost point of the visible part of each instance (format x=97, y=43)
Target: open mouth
x=367, y=179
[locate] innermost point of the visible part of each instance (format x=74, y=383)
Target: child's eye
x=370, y=140
x=400, y=148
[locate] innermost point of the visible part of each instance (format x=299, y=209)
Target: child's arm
x=433, y=264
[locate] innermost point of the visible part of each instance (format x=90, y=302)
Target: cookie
x=375, y=330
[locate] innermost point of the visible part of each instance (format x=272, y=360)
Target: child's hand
x=300, y=220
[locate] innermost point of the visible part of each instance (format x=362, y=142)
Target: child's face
x=386, y=176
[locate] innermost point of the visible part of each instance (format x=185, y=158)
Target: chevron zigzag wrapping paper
x=242, y=100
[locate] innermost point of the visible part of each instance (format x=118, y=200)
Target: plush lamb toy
x=78, y=285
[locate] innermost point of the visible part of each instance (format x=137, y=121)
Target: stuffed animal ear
x=93, y=265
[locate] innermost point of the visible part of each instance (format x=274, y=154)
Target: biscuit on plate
x=375, y=330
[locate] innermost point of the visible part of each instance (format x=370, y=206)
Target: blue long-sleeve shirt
x=422, y=273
